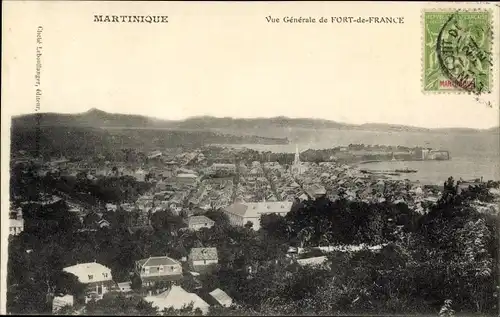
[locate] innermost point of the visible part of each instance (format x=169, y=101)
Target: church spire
x=297, y=156
x=296, y=167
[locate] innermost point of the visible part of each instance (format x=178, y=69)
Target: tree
x=118, y=304
x=186, y=310
x=65, y=310
x=450, y=190
x=136, y=283
x=274, y=225
x=326, y=239
x=66, y=283
x=446, y=310
x=166, y=220
x=305, y=235
x=232, y=311
x=218, y=216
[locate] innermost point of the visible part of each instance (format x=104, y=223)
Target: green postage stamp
x=457, y=49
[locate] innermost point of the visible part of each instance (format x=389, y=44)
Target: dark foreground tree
x=119, y=304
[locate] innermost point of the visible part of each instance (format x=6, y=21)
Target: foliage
x=115, y=189
x=218, y=216
x=88, y=142
x=136, y=283
x=65, y=310
x=446, y=254
x=119, y=304
x=186, y=310
x=66, y=283
x=166, y=220
x=446, y=310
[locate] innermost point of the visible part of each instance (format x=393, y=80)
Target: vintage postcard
x=250, y=158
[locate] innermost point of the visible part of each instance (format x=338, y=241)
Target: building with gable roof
x=16, y=226
x=16, y=223
x=158, y=269
x=176, y=297
x=315, y=190
x=221, y=169
x=201, y=259
x=61, y=301
x=221, y=298
x=154, y=154
x=96, y=277
x=198, y=222
x=313, y=261
x=240, y=213
x=186, y=178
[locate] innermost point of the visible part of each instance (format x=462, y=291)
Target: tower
x=296, y=167
x=296, y=161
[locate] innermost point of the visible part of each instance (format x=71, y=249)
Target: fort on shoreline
x=354, y=154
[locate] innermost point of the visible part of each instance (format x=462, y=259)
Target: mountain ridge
x=101, y=119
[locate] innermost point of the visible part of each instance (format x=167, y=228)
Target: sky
x=225, y=59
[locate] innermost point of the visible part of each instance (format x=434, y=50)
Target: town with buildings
x=241, y=184
x=242, y=159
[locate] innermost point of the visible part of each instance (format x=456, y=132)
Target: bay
x=473, y=154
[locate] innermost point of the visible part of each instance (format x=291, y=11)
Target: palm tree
x=446, y=310
x=326, y=238
x=305, y=235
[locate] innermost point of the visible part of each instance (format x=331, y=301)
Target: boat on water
x=406, y=170
x=371, y=161
x=374, y=172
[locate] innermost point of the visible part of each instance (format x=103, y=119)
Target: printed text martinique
x=131, y=18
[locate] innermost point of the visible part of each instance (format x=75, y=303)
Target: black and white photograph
x=250, y=158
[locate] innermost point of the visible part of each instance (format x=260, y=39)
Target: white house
x=186, y=178
x=125, y=287
x=176, y=297
x=221, y=297
x=111, y=207
x=140, y=174
x=157, y=269
x=240, y=213
x=314, y=261
x=198, y=222
x=202, y=258
x=315, y=190
x=16, y=226
x=154, y=154
x=95, y=276
x=222, y=169
x=62, y=301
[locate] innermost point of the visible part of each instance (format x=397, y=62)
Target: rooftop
x=90, y=272
x=221, y=297
x=176, y=297
x=246, y=209
x=157, y=261
x=197, y=220
x=203, y=254
x=312, y=261
x=223, y=165
x=186, y=175
x=164, y=277
x=16, y=222
x=315, y=190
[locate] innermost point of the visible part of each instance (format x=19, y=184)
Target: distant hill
x=87, y=141
x=494, y=130
x=100, y=119
x=93, y=118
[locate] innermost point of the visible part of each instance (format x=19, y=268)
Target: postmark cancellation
x=457, y=51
